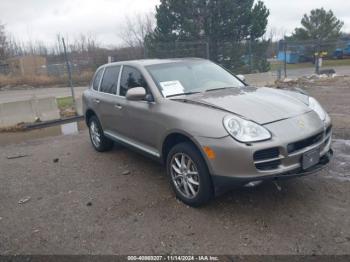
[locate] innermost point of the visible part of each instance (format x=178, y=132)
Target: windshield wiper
x=219, y=88
x=184, y=94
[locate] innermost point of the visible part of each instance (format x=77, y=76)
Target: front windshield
x=191, y=77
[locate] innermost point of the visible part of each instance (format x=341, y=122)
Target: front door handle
x=97, y=101
x=118, y=106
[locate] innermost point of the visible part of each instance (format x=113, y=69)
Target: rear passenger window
x=131, y=78
x=110, y=80
x=97, y=79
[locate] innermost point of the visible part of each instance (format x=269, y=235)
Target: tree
x=320, y=25
x=135, y=30
x=221, y=23
x=3, y=42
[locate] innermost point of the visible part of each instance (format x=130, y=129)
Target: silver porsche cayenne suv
x=210, y=129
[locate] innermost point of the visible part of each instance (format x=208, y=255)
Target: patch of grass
x=39, y=80
x=338, y=62
x=275, y=66
x=82, y=78
x=64, y=102
x=66, y=106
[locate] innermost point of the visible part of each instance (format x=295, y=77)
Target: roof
x=147, y=62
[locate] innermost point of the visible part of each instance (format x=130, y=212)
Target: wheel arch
x=175, y=138
x=88, y=114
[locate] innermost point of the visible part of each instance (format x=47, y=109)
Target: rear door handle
x=97, y=101
x=118, y=106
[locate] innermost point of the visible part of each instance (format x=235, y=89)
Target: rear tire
x=189, y=175
x=98, y=139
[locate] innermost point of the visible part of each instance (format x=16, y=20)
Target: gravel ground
x=62, y=197
x=334, y=95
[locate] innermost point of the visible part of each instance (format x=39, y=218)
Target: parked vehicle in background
x=340, y=53
x=208, y=127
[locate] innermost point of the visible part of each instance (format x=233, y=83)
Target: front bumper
x=224, y=181
x=237, y=161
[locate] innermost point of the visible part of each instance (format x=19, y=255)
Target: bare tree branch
x=136, y=29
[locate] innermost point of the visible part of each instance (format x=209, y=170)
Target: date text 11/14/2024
x=173, y=258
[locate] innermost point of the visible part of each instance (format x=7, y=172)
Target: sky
x=41, y=20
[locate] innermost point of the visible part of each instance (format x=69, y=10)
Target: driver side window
x=131, y=78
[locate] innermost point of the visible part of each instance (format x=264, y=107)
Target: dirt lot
x=334, y=95
x=82, y=202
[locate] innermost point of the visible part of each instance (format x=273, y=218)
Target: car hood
x=261, y=105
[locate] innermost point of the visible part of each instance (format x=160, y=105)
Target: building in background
x=4, y=68
x=27, y=65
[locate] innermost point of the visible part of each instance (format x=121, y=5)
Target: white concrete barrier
x=46, y=108
x=28, y=111
x=13, y=113
x=79, y=105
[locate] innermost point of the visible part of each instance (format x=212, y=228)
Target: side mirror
x=136, y=94
x=241, y=77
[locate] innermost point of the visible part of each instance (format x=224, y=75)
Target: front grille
x=266, y=154
x=293, y=147
x=268, y=158
x=268, y=165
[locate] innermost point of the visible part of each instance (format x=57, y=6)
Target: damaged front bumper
x=229, y=182
x=281, y=157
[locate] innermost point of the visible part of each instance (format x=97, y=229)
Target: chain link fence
x=321, y=56
x=239, y=57
x=279, y=58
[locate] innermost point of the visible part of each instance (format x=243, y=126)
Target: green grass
x=64, y=102
x=275, y=66
x=339, y=62
x=326, y=63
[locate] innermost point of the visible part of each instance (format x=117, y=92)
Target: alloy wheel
x=184, y=174
x=95, y=134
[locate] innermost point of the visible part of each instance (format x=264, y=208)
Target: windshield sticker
x=171, y=88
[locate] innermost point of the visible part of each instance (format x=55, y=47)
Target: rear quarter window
x=110, y=80
x=97, y=79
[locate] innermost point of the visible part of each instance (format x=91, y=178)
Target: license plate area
x=310, y=158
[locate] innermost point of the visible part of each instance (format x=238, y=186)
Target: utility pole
x=207, y=49
x=69, y=73
x=145, y=53
x=250, y=54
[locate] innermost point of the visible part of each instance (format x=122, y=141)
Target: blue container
x=291, y=57
x=347, y=50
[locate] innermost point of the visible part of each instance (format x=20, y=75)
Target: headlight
x=314, y=105
x=245, y=131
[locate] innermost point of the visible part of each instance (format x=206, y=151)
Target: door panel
x=109, y=114
x=143, y=124
x=139, y=124
x=118, y=120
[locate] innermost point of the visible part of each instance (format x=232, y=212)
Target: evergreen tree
x=224, y=24
x=319, y=25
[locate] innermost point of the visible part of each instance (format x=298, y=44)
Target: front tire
x=98, y=139
x=189, y=175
